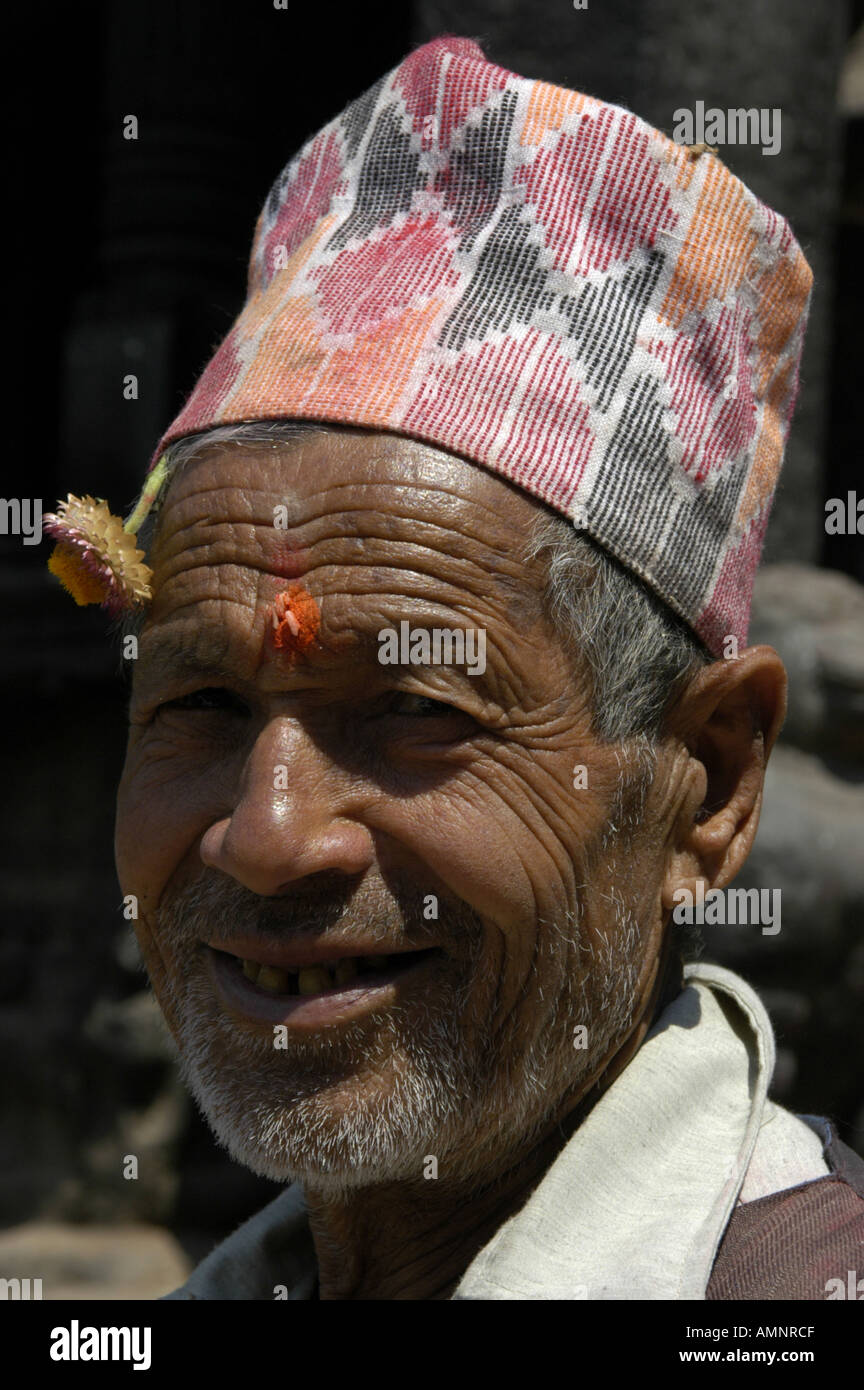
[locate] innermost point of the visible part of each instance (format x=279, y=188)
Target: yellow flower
x=95, y=558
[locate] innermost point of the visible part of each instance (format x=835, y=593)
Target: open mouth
x=349, y=972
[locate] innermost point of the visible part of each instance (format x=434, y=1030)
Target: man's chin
x=325, y=1142
x=336, y=1120
x=338, y=1176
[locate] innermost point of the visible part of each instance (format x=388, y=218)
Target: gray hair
x=639, y=655
x=636, y=654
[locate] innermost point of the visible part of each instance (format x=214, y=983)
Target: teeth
x=345, y=971
x=269, y=977
x=313, y=979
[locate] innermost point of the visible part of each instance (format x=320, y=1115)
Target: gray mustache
x=220, y=909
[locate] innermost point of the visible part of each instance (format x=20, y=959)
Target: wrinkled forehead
x=341, y=499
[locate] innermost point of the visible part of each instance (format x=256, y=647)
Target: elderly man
x=442, y=708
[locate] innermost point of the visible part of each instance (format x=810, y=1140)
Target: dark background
x=130, y=256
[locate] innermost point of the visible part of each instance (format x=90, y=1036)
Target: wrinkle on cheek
x=151, y=951
x=163, y=763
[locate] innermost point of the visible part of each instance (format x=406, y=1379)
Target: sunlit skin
x=472, y=800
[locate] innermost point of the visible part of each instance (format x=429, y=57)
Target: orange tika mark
x=295, y=619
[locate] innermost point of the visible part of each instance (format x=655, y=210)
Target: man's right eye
x=208, y=700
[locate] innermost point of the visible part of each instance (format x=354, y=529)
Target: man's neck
x=416, y=1240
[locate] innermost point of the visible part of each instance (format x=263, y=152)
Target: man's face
x=286, y=809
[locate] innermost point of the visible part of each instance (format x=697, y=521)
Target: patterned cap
x=546, y=285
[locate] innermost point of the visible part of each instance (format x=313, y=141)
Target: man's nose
x=290, y=818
